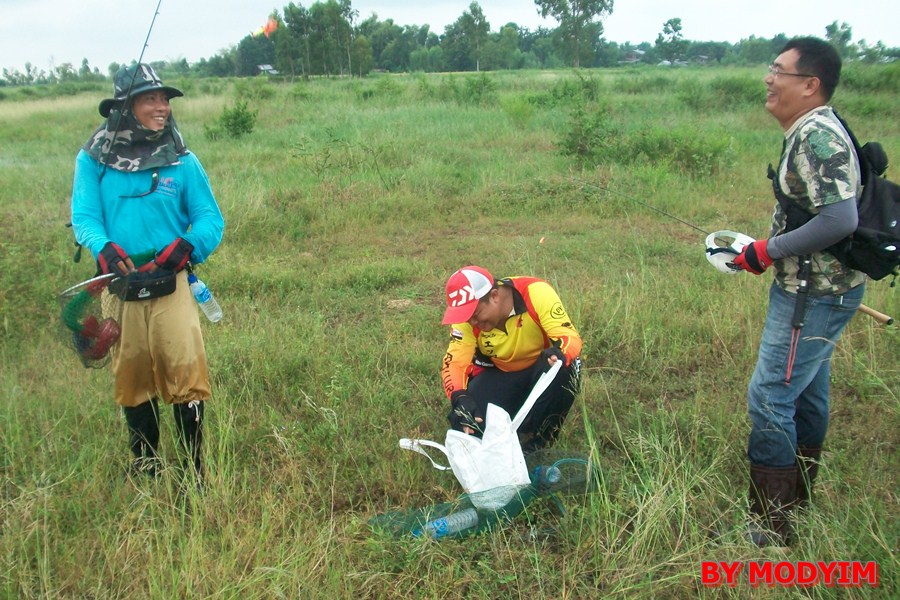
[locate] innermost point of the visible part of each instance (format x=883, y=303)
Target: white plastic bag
x=490, y=469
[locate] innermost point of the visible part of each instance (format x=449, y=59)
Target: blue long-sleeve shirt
x=182, y=205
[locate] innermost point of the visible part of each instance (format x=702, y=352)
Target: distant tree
x=755, y=51
x=349, y=14
x=712, y=51
x=218, y=65
x=66, y=72
x=298, y=21
x=288, y=52
x=252, y=52
x=361, y=56
x=505, y=48
x=464, y=40
x=380, y=35
x=576, y=18
x=670, y=43
x=395, y=56
x=478, y=30
x=839, y=36
x=457, y=46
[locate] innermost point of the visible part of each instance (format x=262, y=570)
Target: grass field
x=346, y=209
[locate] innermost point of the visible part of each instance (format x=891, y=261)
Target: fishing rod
x=727, y=242
x=642, y=203
x=77, y=256
x=131, y=85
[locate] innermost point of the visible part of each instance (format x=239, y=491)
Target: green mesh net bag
x=553, y=472
x=90, y=318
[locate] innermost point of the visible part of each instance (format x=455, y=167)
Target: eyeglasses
x=154, y=182
x=775, y=71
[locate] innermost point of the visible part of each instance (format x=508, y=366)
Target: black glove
x=175, y=255
x=464, y=412
x=111, y=257
x=547, y=353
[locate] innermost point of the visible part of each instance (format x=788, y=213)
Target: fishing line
x=642, y=203
x=77, y=256
x=130, y=87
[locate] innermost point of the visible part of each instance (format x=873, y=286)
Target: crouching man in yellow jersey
x=504, y=334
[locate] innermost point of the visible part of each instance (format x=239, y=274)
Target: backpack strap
x=865, y=165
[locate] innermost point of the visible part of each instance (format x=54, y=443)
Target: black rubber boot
x=807, y=471
x=189, y=425
x=773, y=494
x=143, y=429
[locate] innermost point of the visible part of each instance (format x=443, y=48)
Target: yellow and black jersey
x=539, y=321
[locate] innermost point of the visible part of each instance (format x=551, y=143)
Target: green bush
x=519, y=110
x=875, y=78
x=720, y=93
x=590, y=134
x=479, y=90
x=256, y=88
x=578, y=89
x=695, y=153
x=233, y=122
x=643, y=84
x=738, y=91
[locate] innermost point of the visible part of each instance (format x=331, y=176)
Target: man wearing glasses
x=813, y=295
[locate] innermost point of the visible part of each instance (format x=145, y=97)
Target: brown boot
x=773, y=494
x=807, y=471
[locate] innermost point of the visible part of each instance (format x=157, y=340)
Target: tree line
x=328, y=39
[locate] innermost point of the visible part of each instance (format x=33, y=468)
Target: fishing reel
x=723, y=246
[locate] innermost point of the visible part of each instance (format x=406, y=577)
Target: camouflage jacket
x=818, y=167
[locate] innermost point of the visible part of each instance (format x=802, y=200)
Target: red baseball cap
x=464, y=289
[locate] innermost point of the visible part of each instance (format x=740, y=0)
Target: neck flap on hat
x=122, y=143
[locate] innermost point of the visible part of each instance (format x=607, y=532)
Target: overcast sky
x=47, y=33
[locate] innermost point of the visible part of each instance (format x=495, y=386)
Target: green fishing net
x=553, y=473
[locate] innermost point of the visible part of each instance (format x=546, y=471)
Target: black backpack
x=874, y=248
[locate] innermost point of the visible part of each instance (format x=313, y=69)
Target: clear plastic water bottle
x=547, y=475
x=452, y=523
x=205, y=299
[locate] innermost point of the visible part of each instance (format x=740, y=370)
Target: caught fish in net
x=90, y=317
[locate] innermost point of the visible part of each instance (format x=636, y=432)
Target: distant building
x=633, y=56
x=267, y=69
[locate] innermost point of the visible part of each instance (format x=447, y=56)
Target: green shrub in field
x=211, y=86
x=253, y=89
x=876, y=106
x=480, y=90
x=233, y=122
x=592, y=138
x=738, y=91
x=590, y=135
x=694, y=152
x=579, y=89
x=639, y=83
x=519, y=110
x=386, y=87
x=299, y=92
x=720, y=93
x=877, y=78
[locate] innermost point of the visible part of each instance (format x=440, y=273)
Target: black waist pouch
x=144, y=286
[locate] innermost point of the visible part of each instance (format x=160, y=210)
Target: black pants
x=508, y=390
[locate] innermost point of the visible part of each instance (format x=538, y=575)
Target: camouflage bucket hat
x=144, y=79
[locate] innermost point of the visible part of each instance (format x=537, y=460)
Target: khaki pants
x=160, y=353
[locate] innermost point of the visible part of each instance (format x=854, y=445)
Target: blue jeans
x=787, y=415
